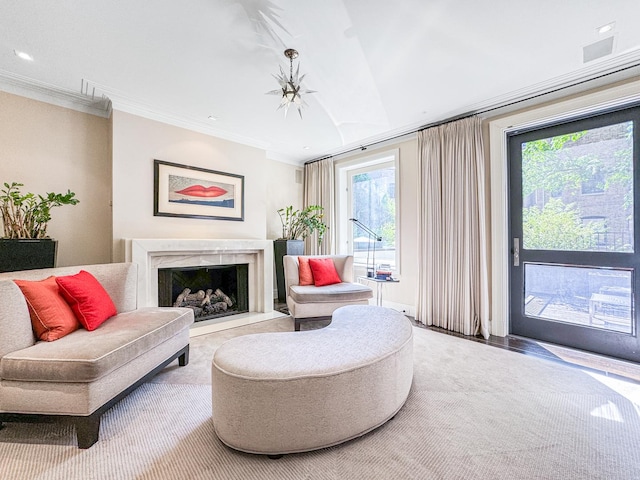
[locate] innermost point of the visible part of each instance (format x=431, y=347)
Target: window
x=368, y=194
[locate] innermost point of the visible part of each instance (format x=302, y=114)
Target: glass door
x=573, y=218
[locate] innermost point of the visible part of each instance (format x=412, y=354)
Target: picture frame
x=194, y=192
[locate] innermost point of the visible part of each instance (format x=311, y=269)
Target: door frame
x=499, y=179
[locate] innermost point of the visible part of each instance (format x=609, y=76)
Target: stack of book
x=384, y=272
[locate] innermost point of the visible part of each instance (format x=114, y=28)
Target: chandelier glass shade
x=291, y=88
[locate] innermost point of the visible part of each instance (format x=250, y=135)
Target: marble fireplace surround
x=151, y=254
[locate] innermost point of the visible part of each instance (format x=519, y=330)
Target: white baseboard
x=409, y=310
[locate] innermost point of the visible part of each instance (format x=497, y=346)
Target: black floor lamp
x=376, y=238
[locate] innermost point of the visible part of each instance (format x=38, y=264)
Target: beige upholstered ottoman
x=276, y=393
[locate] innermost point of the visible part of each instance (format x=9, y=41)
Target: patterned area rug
x=474, y=412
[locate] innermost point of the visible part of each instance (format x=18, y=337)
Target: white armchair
x=311, y=302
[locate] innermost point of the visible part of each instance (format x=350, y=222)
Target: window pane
x=374, y=205
x=577, y=191
x=596, y=297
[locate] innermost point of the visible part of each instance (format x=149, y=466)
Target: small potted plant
x=25, y=217
x=296, y=226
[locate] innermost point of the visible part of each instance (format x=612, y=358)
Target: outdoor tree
x=556, y=227
x=558, y=169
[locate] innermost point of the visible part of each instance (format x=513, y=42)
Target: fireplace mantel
x=153, y=253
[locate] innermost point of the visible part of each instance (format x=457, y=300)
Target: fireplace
x=211, y=291
x=153, y=254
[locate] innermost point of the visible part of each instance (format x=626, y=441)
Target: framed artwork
x=194, y=192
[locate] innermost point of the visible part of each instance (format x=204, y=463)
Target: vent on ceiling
x=598, y=49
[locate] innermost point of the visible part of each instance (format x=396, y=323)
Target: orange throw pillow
x=87, y=298
x=324, y=271
x=51, y=316
x=305, y=276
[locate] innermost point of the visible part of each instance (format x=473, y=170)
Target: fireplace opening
x=210, y=291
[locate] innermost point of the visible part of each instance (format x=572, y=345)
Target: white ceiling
x=379, y=67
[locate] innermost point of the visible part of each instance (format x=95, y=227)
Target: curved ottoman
x=286, y=392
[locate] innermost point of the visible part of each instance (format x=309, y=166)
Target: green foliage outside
x=544, y=168
x=374, y=206
x=557, y=227
x=388, y=229
x=550, y=166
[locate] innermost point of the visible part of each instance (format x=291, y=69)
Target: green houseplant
x=299, y=224
x=296, y=226
x=25, y=217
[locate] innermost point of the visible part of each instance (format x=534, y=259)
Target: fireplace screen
x=210, y=291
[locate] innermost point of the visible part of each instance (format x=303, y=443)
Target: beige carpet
x=474, y=412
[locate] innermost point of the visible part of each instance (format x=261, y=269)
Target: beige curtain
x=319, y=189
x=453, y=278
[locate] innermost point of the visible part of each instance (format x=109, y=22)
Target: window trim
x=343, y=199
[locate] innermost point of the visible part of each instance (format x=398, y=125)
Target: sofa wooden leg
x=275, y=457
x=87, y=430
x=184, y=358
x=296, y=325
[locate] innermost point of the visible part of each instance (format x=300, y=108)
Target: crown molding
x=28, y=87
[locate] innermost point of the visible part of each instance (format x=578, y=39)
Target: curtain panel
x=319, y=189
x=453, y=290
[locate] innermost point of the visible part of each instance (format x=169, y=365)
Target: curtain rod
x=472, y=113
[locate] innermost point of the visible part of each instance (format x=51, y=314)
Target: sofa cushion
x=324, y=272
x=339, y=292
x=89, y=301
x=51, y=317
x=305, y=276
x=85, y=356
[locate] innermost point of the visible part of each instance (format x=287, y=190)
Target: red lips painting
x=200, y=191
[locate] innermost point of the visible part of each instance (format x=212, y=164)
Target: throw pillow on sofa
x=305, y=276
x=324, y=271
x=51, y=316
x=87, y=298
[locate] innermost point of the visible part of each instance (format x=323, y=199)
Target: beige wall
x=52, y=149
x=138, y=141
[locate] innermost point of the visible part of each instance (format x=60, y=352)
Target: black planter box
x=280, y=249
x=27, y=254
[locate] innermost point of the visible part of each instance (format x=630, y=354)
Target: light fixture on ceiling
x=291, y=87
x=213, y=118
x=606, y=28
x=23, y=55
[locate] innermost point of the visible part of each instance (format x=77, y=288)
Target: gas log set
x=204, y=303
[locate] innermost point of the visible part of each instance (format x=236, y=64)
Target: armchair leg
x=296, y=325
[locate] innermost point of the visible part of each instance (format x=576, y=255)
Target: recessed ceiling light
x=23, y=55
x=306, y=147
x=212, y=118
x=606, y=28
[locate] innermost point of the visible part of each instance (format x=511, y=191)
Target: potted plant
x=25, y=217
x=296, y=226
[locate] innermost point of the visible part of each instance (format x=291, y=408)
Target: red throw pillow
x=305, y=276
x=324, y=271
x=88, y=299
x=51, y=316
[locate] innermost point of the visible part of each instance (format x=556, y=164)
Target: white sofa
x=286, y=392
x=310, y=302
x=79, y=376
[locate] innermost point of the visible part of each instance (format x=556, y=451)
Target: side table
x=379, y=284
